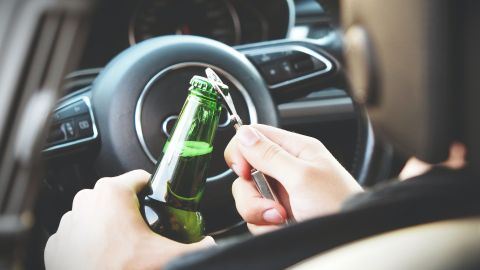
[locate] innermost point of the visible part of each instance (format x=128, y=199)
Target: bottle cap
x=203, y=86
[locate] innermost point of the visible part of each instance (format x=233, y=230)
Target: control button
x=84, y=126
x=68, y=130
x=296, y=55
x=55, y=134
x=283, y=66
x=286, y=69
x=264, y=58
x=71, y=110
x=79, y=107
x=303, y=66
x=272, y=73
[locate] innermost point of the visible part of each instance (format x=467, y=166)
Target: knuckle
x=252, y=227
x=252, y=213
x=248, y=211
x=313, y=141
x=245, y=214
x=238, y=187
x=64, y=220
x=231, y=152
x=102, y=182
x=80, y=197
x=235, y=187
x=66, y=215
x=271, y=151
x=49, y=246
x=240, y=208
x=228, y=150
x=249, y=218
x=141, y=173
x=105, y=185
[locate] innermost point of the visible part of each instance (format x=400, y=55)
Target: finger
x=235, y=160
x=256, y=230
x=81, y=197
x=50, y=251
x=298, y=145
x=269, y=157
x=208, y=241
x=135, y=180
x=64, y=226
x=253, y=208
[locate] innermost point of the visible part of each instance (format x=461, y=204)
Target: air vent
x=39, y=42
x=80, y=80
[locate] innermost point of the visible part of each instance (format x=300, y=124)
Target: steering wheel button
x=79, y=108
x=286, y=68
x=55, y=135
x=71, y=110
x=303, y=66
x=68, y=130
x=84, y=126
x=273, y=73
x=264, y=58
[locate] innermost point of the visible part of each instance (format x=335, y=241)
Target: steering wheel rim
x=119, y=90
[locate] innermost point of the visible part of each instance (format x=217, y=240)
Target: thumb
x=207, y=241
x=268, y=157
x=253, y=208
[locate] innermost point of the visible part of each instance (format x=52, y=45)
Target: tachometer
x=216, y=19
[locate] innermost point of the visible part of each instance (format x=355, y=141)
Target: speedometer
x=216, y=19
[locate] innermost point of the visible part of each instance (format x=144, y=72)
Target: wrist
x=152, y=251
x=149, y=252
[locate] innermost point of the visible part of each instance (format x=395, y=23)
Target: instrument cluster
x=232, y=22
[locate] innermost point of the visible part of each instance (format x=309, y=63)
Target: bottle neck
x=180, y=175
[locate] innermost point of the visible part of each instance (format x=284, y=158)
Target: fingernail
x=272, y=216
x=248, y=136
x=236, y=169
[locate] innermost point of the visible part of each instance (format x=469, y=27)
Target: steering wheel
x=133, y=103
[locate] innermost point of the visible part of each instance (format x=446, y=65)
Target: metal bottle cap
x=203, y=86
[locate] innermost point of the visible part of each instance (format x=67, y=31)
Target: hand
x=310, y=181
x=415, y=167
x=105, y=230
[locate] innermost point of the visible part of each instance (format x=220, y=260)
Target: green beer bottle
x=170, y=202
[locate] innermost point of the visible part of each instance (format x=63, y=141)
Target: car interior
x=92, y=89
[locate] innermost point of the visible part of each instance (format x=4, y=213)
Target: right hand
x=310, y=181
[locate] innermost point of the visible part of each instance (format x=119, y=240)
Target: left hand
x=105, y=230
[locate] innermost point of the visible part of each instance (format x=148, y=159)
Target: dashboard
x=120, y=24
x=123, y=23
x=325, y=113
